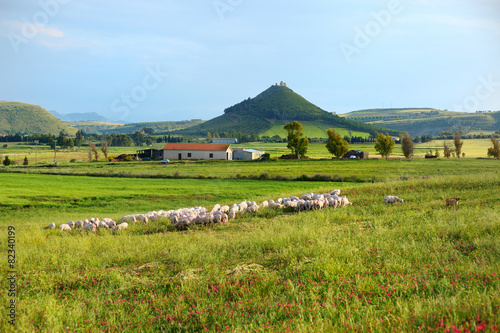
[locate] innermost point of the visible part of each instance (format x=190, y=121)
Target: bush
x=73, y=160
x=7, y=161
x=265, y=157
x=25, y=162
x=128, y=159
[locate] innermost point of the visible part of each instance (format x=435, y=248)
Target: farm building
x=154, y=154
x=197, y=151
x=247, y=154
x=225, y=140
x=356, y=154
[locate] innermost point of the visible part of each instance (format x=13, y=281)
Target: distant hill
x=16, y=117
x=270, y=110
x=428, y=121
x=112, y=128
x=85, y=116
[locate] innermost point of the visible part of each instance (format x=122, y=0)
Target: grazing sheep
x=89, y=227
x=252, y=209
x=64, y=227
x=121, y=226
x=392, y=199
x=71, y=224
x=51, y=226
x=224, y=209
x=264, y=204
x=335, y=192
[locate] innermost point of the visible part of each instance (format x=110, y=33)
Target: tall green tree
x=384, y=145
x=79, y=138
x=336, y=145
x=138, y=138
x=457, y=141
x=406, y=144
x=495, y=150
x=296, y=140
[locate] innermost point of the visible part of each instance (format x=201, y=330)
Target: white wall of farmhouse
x=198, y=155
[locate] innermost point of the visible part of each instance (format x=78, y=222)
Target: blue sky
x=145, y=60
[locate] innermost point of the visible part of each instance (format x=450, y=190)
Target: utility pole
x=55, y=147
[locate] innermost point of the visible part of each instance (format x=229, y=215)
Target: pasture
x=367, y=267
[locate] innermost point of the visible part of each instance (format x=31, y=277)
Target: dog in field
x=451, y=202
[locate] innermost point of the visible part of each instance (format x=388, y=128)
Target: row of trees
x=338, y=146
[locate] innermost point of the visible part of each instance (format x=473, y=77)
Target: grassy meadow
x=410, y=267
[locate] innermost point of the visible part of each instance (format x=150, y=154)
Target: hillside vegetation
x=111, y=128
x=275, y=106
x=427, y=121
x=16, y=117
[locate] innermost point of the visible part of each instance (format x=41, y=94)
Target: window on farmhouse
x=211, y=155
x=189, y=154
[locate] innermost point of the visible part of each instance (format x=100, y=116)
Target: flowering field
x=416, y=266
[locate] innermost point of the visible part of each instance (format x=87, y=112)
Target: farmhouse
x=197, y=151
x=246, y=154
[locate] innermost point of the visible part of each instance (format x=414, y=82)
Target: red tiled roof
x=195, y=146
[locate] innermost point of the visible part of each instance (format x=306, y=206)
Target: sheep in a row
x=86, y=225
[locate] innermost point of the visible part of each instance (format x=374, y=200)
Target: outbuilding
x=225, y=140
x=358, y=154
x=247, y=154
x=197, y=151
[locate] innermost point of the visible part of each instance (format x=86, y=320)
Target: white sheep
x=392, y=199
x=89, y=227
x=64, y=227
x=121, y=226
x=51, y=226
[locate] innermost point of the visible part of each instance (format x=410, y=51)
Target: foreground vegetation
x=368, y=267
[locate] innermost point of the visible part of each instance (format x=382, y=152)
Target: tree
x=138, y=138
x=296, y=141
x=6, y=161
x=457, y=140
x=25, y=162
x=446, y=150
x=79, y=138
x=336, y=145
x=148, y=130
x=373, y=134
x=406, y=144
x=149, y=142
x=104, y=148
x=93, y=149
x=384, y=145
x=495, y=150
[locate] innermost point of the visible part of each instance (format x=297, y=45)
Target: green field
x=368, y=267
x=311, y=130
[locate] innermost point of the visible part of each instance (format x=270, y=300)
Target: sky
x=164, y=60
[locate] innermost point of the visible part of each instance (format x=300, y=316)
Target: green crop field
x=311, y=130
x=407, y=267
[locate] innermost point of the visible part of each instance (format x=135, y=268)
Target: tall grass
x=405, y=267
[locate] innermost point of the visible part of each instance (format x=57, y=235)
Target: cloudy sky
x=148, y=60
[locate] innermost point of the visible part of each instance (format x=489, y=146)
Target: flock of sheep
x=185, y=217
